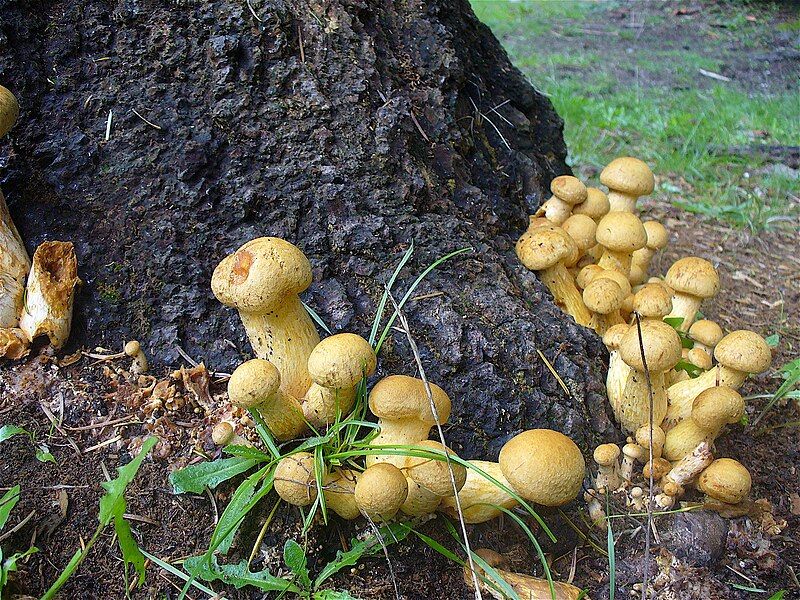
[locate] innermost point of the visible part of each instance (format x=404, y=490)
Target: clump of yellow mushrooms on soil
x=672, y=379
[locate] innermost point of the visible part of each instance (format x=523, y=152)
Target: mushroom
x=686, y=470
x=9, y=110
x=567, y=192
x=597, y=514
x=14, y=344
x=692, y=280
x=643, y=438
x=657, y=238
x=256, y=385
x=662, y=350
x=607, y=478
x=223, y=434
x=726, y=480
x=543, y=466
x=627, y=179
x=581, y=229
x=133, y=350
x=526, y=587
x=14, y=267
x=548, y=250
x=706, y=335
x=738, y=354
x=336, y=366
x=262, y=280
x=595, y=206
x=620, y=234
x=381, y=491
x=603, y=297
x=617, y=369
x=631, y=454
x=637, y=499
x=338, y=489
x=50, y=293
x=659, y=467
x=480, y=497
x=652, y=302
x=405, y=415
x=430, y=480
x=294, y=479
x=711, y=411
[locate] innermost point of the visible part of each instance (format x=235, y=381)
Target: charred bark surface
x=349, y=128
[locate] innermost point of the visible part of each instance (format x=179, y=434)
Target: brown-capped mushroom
x=595, y=206
x=606, y=456
x=338, y=489
x=567, y=192
x=620, y=234
x=706, y=335
x=603, y=297
x=692, y=280
x=652, y=302
x=627, y=179
x=381, y=491
x=726, y=480
x=133, y=350
x=262, y=280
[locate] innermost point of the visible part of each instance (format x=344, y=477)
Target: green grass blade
x=387, y=290
x=180, y=574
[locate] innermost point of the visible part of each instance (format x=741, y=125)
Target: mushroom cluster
x=42, y=306
x=672, y=379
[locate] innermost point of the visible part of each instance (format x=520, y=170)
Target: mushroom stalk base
x=561, y=284
x=616, y=261
x=479, y=497
x=283, y=415
x=634, y=409
x=14, y=267
x=285, y=337
x=620, y=202
x=397, y=433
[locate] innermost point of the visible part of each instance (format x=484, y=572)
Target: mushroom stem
x=687, y=469
x=285, y=336
x=685, y=307
x=14, y=344
x=682, y=394
x=14, y=267
x=561, y=284
x=133, y=350
x=596, y=513
x=50, y=293
x=479, y=498
x=619, y=261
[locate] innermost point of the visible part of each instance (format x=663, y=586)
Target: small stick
x=108, y=125
x=153, y=125
x=107, y=442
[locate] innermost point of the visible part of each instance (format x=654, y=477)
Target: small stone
x=696, y=537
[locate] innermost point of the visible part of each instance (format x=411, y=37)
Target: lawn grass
x=662, y=114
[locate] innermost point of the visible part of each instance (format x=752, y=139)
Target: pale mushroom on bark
x=726, y=480
x=606, y=457
x=50, y=293
x=294, y=479
x=404, y=412
x=617, y=369
x=262, y=280
x=567, y=192
x=256, y=385
x=480, y=497
x=549, y=250
x=336, y=366
x=595, y=206
x=738, y=354
x=603, y=297
x=652, y=302
x=706, y=335
x=133, y=350
x=692, y=280
x=9, y=110
x=380, y=491
x=582, y=230
x=662, y=351
x=627, y=179
x=620, y=234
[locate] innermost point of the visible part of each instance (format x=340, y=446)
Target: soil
x=760, y=290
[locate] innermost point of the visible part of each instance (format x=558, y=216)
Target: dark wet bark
x=349, y=128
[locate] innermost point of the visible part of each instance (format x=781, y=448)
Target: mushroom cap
x=699, y=358
x=694, y=276
x=9, y=110
x=661, y=466
x=595, y=206
x=603, y=296
x=569, y=189
x=635, y=451
x=581, y=229
x=621, y=231
x=534, y=222
x=652, y=301
x=587, y=274
x=433, y=474
x=662, y=347
x=629, y=176
x=341, y=360
x=616, y=276
x=706, y=332
x=544, y=247
x=222, y=433
x=294, y=479
x=745, y=351
x=253, y=382
x=726, y=480
x=606, y=454
x=381, y=491
x=404, y=397
x=339, y=491
x=657, y=235
x=261, y=274
x=543, y=466
x=614, y=334
x=717, y=406
x=132, y=348
x=643, y=438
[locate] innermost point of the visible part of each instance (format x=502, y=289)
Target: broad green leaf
x=43, y=454
x=396, y=532
x=295, y=558
x=673, y=322
x=131, y=554
x=778, y=595
x=691, y=369
x=237, y=575
x=9, y=565
x=9, y=431
x=7, y=504
x=112, y=504
x=247, y=452
x=196, y=478
x=244, y=499
x=333, y=595
x=773, y=340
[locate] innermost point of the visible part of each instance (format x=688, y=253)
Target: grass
x=643, y=95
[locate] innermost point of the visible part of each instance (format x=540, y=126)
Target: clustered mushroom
x=43, y=305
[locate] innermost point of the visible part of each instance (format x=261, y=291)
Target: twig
x=253, y=12
x=186, y=357
x=118, y=421
x=107, y=442
x=419, y=127
x=153, y=125
x=52, y=418
x=108, y=125
x=554, y=372
x=18, y=526
x=415, y=351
